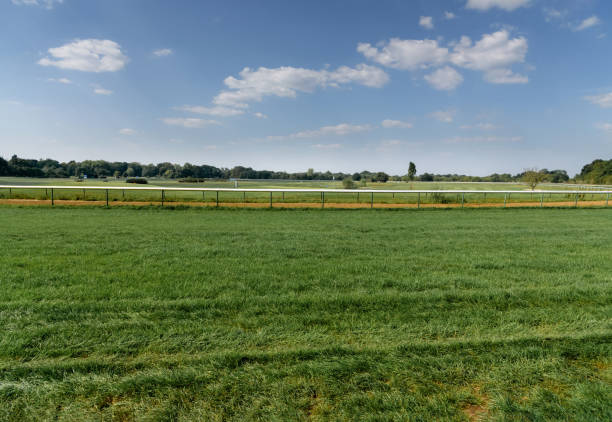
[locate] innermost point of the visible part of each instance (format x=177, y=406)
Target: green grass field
x=199, y=314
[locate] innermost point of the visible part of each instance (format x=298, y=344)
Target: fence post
x=541, y=200
x=505, y=200
x=270, y=199
x=217, y=198
x=203, y=197
x=322, y=199
x=107, y=198
x=576, y=201
x=419, y=200
x=244, y=197
x=52, y=200
x=607, y=198
x=372, y=200
x=462, y=198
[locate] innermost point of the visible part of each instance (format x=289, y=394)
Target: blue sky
x=465, y=86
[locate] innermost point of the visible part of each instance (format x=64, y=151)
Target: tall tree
x=411, y=171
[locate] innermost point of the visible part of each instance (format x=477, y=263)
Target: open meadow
x=232, y=314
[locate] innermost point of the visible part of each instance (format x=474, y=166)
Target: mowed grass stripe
x=152, y=314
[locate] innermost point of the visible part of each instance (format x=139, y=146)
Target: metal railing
x=460, y=194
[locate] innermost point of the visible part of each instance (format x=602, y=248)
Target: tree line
x=599, y=171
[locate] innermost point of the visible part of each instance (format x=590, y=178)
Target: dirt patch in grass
x=475, y=412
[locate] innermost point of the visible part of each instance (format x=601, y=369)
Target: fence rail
x=490, y=197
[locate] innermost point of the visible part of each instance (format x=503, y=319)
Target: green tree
x=533, y=177
x=4, y=167
x=411, y=170
x=381, y=177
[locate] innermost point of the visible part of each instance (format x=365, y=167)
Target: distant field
x=289, y=184
x=523, y=194
x=153, y=314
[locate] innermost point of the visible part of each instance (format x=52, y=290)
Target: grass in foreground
x=155, y=314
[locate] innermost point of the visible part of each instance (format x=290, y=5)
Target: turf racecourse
x=245, y=314
x=341, y=205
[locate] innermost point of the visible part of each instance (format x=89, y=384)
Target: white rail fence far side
x=51, y=192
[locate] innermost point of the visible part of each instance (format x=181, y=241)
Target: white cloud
x=286, y=81
x=89, y=55
x=505, y=76
x=405, y=54
x=337, y=130
x=188, y=122
x=449, y=15
x=444, y=79
x=445, y=116
x=387, y=123
x=493, y=55
x=587, y=23
x=127, y=131
x=483, y=139
x=260, y=115
x=603, y=100
x=508, y=5
x=481, y=126
x=426, y=22
x=211, y=111
x=102, y=91
x=175, y=141
x=65, y=81
x=47, y=4
x=604, y=126
x=554, y=14
x=362, y=74
x=327, y=146
x=163, y=52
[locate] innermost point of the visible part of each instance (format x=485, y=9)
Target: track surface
x=346, y=205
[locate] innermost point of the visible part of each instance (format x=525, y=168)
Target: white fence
x=372, y=192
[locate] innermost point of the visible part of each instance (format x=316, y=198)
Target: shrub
x=192, y=180
x=438, y=198
x=348, y=183
x=137, y=180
